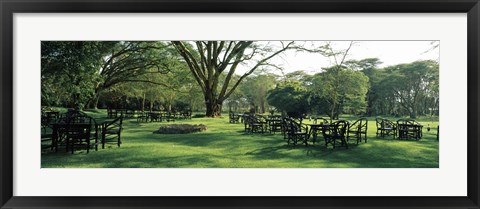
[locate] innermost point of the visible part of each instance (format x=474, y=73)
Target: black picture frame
x=9, y=7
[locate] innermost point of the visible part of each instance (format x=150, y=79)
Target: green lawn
x=225, y=145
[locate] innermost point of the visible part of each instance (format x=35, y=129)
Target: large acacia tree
x=208, y=60
x=127, y=61
x=413, y=85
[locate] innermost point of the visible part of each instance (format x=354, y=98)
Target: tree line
x=205, y=75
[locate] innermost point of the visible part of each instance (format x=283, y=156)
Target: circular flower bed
x=180, y=129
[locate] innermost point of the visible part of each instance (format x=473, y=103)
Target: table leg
x=55, y=138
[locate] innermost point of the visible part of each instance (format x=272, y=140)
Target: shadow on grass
x=226, y=145
x=374, y=154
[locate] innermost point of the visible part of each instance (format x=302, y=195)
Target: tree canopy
x=206, y=75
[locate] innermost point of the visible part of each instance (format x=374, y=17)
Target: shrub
x=180, y=129
x=199, y=116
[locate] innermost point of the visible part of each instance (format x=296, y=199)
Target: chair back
x=286, y=123
x=319, y=120
x=260, y=118
x=231, y=117
x=295, y=126
x=360, y=124
x=340, y=128
x=80, y=126
x=78, y=131
x=50, y=116
x=379, y=123
x=45, y=127
x=116, y=124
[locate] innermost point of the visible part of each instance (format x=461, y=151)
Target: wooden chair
x=171, y=116
x=142, y=117
x=257, y=124
x=111, y=113
x=46, y=135
x=155, y=117
x=336, y=132
x=285, y=126
x=81, y=129
x=296, y=133
x=187, y=114
x=357, y=129
x=233, y=118
x=129, y=113
x=49, y=117
x=275, y=124
x=112, y=131
x=438, y=131
x=409, y=129
x=246, y=123
x=385, y=127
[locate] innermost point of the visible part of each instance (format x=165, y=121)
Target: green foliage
x=255, y=90
x=413, y=86
x=290, y=98
x=341, y=89
x=153, y=75
x=69, y=71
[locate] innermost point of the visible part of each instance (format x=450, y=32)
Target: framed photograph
x=237, y=104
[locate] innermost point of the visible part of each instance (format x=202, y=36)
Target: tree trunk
x=332, y=113
x=413, y=113
x=212, y=104
x=95, y=101
x=213, y=109
x=262, y=105
x=143, y=103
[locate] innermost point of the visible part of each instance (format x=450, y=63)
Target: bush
x=180, y=129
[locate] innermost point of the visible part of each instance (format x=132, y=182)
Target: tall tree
x=255, y=88
x=369, y=67
x=410, y=83
x=342, y=89
x=69, y=70
x=130, y=59
x=289, y=97
x=208, y=60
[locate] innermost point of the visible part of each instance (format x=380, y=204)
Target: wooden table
x=407, y=131
x=314, y=128
x=273, y=123
x=60, y=128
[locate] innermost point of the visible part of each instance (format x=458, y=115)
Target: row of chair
x=75, y=130
x=404, y=128
x=336, y=133
x=162, y=116
x=295, y=131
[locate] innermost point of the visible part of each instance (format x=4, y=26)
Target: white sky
x=389, y=52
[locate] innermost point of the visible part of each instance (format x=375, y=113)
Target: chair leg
x=73, y=146
x=103, y=140
x=67, y=141
x=118, y=140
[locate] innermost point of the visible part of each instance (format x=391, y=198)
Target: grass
x=225, y=145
